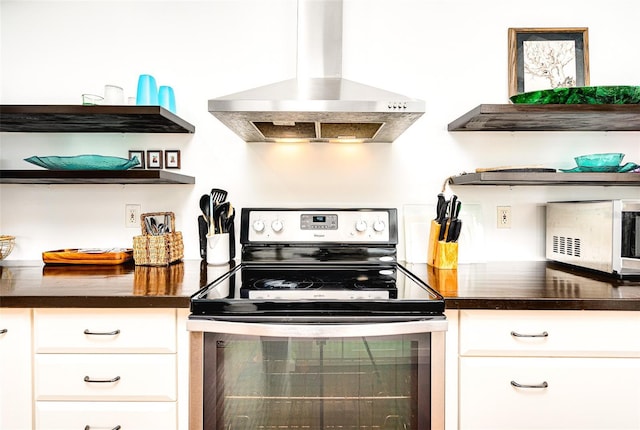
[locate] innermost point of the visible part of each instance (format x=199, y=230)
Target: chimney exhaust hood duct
x=318, y=105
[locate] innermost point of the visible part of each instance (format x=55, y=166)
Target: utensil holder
x=157, y=250
x=202, y=232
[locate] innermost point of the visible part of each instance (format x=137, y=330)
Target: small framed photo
x=140, y=155
x=172, y=159
x=154, y=159
x=546, y=58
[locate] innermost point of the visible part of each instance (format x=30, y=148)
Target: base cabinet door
x=15, y=369
x=553, y=393
x=105, y=415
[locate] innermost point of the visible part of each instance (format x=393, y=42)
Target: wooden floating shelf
x=134, y=176
x=566, y=117
x=544, y=178
x=90, y=119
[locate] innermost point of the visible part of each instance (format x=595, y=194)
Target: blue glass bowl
x=84, y=162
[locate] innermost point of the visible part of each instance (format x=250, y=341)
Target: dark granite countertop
x=33, y=284
x=496, y=285
x=536, y=285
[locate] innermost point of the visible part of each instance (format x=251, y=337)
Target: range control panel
x=320, y=225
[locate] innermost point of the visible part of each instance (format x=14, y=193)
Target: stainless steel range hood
x=318, y=105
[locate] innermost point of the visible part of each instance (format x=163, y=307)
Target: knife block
x=446, y=256
x=441, y=254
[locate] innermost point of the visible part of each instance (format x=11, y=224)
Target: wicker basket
x=6, y=245
x=157, y=250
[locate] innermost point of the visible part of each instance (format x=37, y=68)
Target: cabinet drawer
x=139, y=377
x=105, y=416
x=582, y=393
x=544, y=333
x=104, y=330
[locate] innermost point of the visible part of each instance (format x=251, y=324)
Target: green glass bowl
x=609, y=159
x=607, y=162
x=617, y=95
x=83, y=162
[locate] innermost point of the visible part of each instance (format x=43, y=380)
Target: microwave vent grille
x=566, y=245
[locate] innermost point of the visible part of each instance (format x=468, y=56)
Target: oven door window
x=312, y=384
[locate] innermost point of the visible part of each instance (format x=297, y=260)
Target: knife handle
x=444, y=228
x=455, y=229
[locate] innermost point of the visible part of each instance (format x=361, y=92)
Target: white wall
x=450, y=53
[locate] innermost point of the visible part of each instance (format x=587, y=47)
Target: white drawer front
x=582, y=393
x=568, y=333
x=140, y=377
x=104, y=330
x=105, y=416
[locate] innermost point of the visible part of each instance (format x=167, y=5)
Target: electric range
x=311, y=265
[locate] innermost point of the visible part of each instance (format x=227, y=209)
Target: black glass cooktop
x=316, y=292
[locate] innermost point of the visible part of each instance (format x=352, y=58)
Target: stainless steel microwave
x=602, y=235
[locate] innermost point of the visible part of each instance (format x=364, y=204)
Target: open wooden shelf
x=566, y=117
x=133, y=176
x=90, y=119
x=546, y=178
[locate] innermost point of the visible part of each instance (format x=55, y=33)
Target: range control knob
x=258, y=226
x=361, y=225
x=379, y=225
x=277, y=226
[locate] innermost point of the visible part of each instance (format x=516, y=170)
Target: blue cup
x=166, y=98
x=147, y=91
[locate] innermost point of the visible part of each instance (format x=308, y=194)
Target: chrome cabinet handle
x=543, y=385
x=88, y=379
x=102, y=333
x=3, y=330
x=516, y=334
x=88, y=427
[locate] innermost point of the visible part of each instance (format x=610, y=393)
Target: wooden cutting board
x=82, y=256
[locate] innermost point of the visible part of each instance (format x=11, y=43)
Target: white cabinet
x=15, y=369
x=549, y=370
x=105, y=368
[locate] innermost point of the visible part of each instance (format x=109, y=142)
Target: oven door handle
x=314, y=330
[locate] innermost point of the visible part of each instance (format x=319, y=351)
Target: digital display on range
x=318, y=222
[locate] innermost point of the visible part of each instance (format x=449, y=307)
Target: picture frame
x=154, y=159
x=140, y=155
x=545, y=58
x=172, y=159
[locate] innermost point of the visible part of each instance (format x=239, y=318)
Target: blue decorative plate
x=83, y=162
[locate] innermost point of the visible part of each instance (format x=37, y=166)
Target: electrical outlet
x=132, y=216
x=504, y=216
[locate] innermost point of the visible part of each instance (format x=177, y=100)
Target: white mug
x=218, y=249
